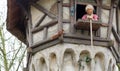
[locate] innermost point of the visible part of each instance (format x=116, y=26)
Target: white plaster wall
x=66, y=27
x=70, y=60
x=46, y=20
x=45, y=4
x=105, y=16
x=106, y=2
x=66, y=13
x=36, y=15
x=38, y=36
x=52, y=30
x=103, y=32
x=104, y=19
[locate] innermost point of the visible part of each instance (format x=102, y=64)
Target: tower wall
x=72, y=57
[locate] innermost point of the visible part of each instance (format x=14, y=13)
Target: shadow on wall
x=53, y=62
x=68, y=61
x=99, y=62
x=42, y=65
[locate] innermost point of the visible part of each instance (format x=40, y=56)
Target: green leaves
x=87, y=59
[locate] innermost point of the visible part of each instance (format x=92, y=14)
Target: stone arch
x=53, y=62
x=85, y=61
x=42, y=64
x=68, y=60
x=99, y=61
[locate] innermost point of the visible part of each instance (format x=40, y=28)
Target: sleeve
x=84, y=17
x=95, y=17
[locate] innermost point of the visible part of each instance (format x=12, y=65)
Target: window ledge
x=85, y=25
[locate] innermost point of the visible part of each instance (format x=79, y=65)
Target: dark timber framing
x=110, y=20
x=60, y=17
x=118, y=20
x=72, y=15
x=30, y=36
x=40, y=21
x=43, y=10
x=51, y=23
x=70, y=38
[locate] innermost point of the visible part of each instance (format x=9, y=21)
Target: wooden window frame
x=98, y=11
x=117, y=20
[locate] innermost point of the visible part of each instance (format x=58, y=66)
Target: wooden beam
x=51, y=23
x=83, y=3
x=60, y=17
x=42, y=42
x=37, y=6
x=66, y=21
x=30, y=36
x=72, y=15
x=113, y=52
x=118, y=20
x=40, y=21
x=117, y=37
x=110, y=21
x=85, y=42
x=83, y=37
x=66, y=5
x=29, y=58
x=116, y=52
x=45, y=33
x=43, y=45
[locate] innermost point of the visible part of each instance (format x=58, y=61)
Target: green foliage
x=87, y=59
x=119, y=66
x=12, y=52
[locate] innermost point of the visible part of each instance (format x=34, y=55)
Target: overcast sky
x=3, y=9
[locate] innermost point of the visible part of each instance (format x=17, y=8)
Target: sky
x=3, y=15
x=3, y=10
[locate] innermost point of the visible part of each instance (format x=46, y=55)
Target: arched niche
x=42, y=64
x=110, y=65
x=99, y=62
x=68, y=60
x=85, y=61
x=53, y=62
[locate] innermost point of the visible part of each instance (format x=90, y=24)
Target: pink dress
x=95, y=17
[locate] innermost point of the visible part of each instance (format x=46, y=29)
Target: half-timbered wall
x=53, y=22
x=47, y=18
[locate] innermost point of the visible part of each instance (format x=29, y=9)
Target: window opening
x=81, y=11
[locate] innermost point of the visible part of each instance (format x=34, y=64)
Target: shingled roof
x=16, y=20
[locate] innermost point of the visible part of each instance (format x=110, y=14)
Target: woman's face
x=89, y=11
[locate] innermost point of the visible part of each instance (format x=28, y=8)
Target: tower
x=58, y=40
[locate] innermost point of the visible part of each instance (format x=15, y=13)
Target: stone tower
x=58, y=40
